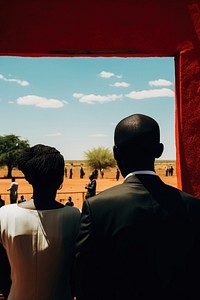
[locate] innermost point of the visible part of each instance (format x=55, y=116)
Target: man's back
x=139, y=240
x=136, y=242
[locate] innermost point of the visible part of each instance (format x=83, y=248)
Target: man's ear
x=116, y=152
x=159, y=150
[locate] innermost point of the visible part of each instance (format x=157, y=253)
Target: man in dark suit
x=139, y=239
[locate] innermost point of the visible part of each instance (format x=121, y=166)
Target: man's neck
x=141, y=172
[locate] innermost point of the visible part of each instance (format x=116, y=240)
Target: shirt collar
x=146, y=172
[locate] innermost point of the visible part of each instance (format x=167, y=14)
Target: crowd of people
x=95, y=172
x=137, y=240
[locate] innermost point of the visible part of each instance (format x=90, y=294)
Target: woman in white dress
x=39, y=234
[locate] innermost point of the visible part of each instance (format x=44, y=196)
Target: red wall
x=119, y=28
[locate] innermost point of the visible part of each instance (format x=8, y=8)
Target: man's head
x=137, y=143
x=43, y=166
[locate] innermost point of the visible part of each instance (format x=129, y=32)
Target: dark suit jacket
x=139, y=240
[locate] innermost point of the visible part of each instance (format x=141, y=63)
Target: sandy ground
x=75, y=187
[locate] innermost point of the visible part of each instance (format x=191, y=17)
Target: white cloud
x=40, y=101
x=105, y=74
x=92, y=99
x=120, y=84
x=18, y=81
x=164, y=92
x=77, y=95
x=160, y=82
x=54, y=134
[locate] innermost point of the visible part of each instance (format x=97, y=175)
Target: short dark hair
x=138, y=136
x=137, y=130
x=42, y=165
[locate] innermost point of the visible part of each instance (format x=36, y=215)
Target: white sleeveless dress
x=40, y=248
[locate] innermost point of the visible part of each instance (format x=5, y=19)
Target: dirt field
x=75, y=187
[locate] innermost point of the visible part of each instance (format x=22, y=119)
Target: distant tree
x=98, y=158
x=10, y=148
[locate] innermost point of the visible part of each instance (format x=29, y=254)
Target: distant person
x=69, y=202
x=171, y=171
x=13, y=191
x=95, y=173
x=140, y=239
x=91, y=187
x=2, y=202
x=167, y=171
x=66, y=172
x=117, y=174
x=70, y=173
x=21, y=199
x=82, y=173
x=39, y=234
x=102, y=173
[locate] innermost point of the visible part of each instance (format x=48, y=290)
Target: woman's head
x=43, y=166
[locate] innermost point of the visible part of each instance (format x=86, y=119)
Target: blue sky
x=74, y=104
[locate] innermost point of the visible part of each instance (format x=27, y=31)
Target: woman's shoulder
x=8, y=211
x=72, y=210
x=8, y=208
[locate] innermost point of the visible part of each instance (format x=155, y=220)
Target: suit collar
x=143, y=172
x=145, y=178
